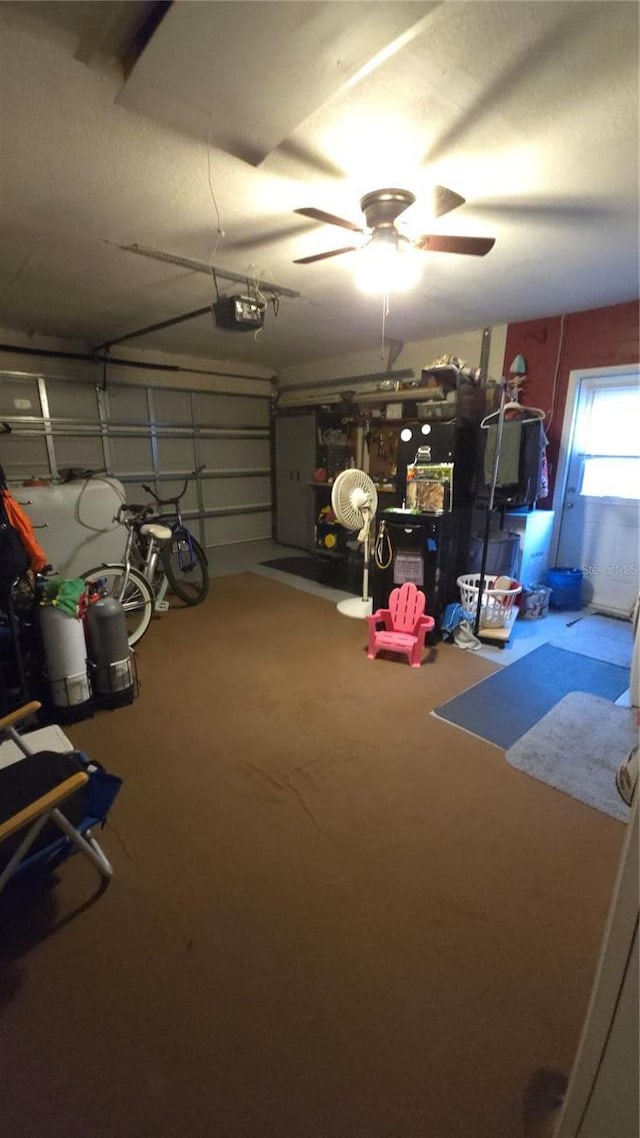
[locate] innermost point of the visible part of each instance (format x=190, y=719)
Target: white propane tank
x=66, y=658
x=110, y=657
x=75, y=522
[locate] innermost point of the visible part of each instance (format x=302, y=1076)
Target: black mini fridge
x=432, y=551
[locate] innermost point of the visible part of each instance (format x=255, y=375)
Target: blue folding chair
x=50, y=802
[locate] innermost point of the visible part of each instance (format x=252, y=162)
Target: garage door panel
x=80, y=451
x=148, y=434
x=241, y=527
x=19, y=397
x=72, y=400
x=172, y=407
x=230, y=410
x=23, y=457
x=235, y=454
x=175, y=454
x=131, y=456
x=226, y=492
x=128, y=405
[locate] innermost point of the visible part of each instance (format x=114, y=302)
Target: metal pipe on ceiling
x=153, y=328
x=211, y=270
x=93, y=358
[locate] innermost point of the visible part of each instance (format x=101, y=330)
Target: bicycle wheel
x=185, y=564
x=137, y=601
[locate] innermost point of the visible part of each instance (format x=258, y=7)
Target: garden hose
x=383, y=550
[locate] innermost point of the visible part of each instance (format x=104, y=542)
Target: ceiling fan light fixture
x=387, y=263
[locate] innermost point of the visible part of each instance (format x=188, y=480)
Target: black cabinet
x=431, y=551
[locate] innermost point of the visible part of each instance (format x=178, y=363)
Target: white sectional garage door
x=147, y=434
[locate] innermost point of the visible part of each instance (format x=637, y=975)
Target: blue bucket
x=566, y=588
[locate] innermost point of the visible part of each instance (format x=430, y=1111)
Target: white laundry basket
x=497, y=604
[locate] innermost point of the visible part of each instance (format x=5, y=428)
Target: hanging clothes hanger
x=533, y=413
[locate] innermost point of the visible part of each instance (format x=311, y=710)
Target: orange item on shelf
x=22, y=524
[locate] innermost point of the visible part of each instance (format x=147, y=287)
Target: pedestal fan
x=354, y=501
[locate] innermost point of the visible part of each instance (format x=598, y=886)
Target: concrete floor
x=248, y=557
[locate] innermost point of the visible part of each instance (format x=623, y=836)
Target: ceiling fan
x=381, y=208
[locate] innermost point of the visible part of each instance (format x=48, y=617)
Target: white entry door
x=599, y=511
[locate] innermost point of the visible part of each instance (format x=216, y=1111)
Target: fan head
x=354, y=500
x=381, y=208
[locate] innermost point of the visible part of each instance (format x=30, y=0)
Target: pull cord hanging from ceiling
x=385, y=313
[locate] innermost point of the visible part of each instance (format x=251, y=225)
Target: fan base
x=355, y=607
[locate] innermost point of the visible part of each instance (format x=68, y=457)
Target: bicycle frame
x=184, y=538
x=148, y=567
x=175, y=521
x=148, y=564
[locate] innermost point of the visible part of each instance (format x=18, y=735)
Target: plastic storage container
x=566, y=588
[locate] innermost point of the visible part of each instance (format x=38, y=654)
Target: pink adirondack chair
x=404, y=625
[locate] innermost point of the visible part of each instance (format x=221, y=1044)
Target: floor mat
x=577, y=747
x=507, y=704
x=331, y=573
x=602, y=637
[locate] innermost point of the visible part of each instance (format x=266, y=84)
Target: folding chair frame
x=45, y=809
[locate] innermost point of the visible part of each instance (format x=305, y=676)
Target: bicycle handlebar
x=137, y=513
x=174, y=501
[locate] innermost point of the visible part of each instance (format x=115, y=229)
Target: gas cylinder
x=110, y=657
x=65, y=653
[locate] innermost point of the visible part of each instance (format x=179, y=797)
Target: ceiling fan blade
x=444, y=200
x=439, y=243
x=329, y=218
x=323, y=256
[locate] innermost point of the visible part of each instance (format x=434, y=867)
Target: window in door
x=609, y=442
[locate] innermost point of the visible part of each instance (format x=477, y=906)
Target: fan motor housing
x=382, y=207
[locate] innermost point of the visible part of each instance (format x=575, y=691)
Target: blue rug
x=508, y=703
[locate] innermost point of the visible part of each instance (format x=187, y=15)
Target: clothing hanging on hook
x=513, y=454
x=508, y=445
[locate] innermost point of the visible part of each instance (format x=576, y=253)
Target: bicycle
x=160, y=555
x=139, y=590
x=183, y=559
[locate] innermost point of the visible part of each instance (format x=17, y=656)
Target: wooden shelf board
x=501, y=635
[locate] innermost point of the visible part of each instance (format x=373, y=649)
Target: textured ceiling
x=235, y=114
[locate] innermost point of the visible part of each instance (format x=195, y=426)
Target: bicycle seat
x=155, y=529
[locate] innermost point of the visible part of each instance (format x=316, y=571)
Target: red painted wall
x=602, y=337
